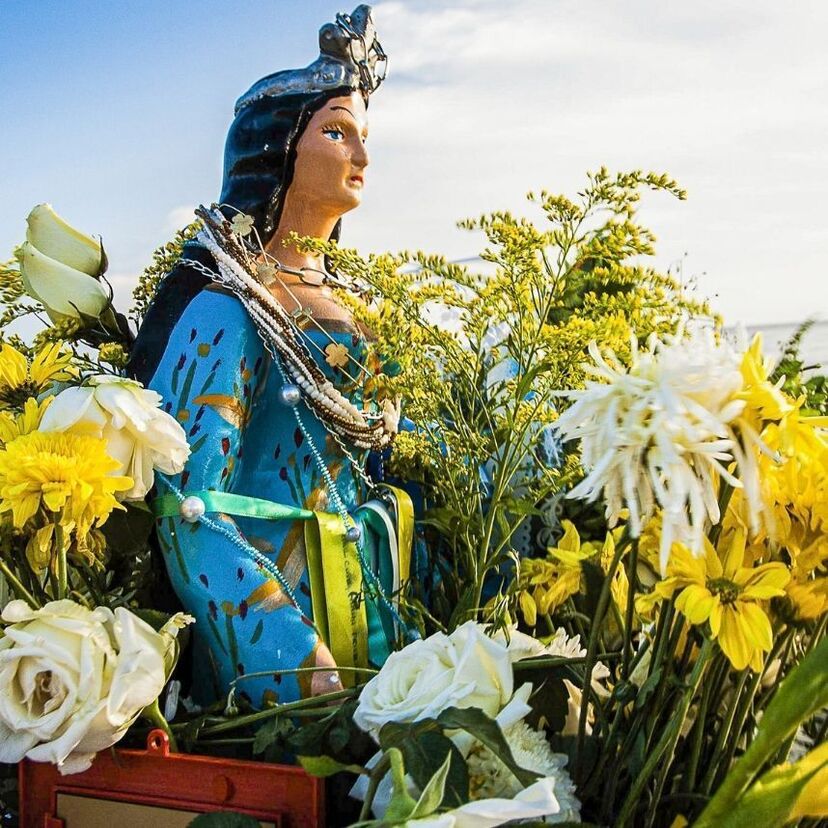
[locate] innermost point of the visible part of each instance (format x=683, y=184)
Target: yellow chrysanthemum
x=764, y=401
x=12, y=426
x=809, y=597
x=729, y=595
x=64, y=473
x=19, y=379
x=545, y=583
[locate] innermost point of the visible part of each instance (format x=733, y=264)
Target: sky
x=116, y=113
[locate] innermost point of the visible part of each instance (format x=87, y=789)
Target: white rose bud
x=464, y=669
x=139, y=435
x=59, y=267
x=62, y=290
x=72, y=680
x=54, y=238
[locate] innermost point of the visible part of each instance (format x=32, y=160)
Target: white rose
x=139, y=435
x=59, y=266
x=72, y=680
x=464, y=669
x=54, y=238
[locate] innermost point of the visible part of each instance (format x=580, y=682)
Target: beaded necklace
x=281, y=335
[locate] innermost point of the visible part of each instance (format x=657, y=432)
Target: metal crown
x=350, y=55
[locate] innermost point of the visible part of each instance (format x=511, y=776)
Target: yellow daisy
x=63, y=473
x=729, y=595
x=764, y=401
x=545, y=583
x=20, y=380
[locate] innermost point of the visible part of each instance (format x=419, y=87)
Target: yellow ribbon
x=405, y=529
x=336, y=592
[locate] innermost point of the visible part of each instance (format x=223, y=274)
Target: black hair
x=260, y=155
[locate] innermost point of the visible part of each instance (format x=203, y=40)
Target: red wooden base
x=127, y=788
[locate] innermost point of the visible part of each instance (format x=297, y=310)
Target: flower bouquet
x=622, y=588
x=80, y=660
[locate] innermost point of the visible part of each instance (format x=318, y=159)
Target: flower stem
x=61, y=565
x=632, y=569
x=152, y=712
x=667, y=743
x=18, y=587
x=592, y=653
x=278, y=710
x=689, y=782
x=723, y=764
x=725, y=493
x=377, y=773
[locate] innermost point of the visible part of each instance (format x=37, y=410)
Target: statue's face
x=331, y=158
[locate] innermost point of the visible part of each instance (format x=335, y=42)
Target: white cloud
x=179, y=217
x=486, y=100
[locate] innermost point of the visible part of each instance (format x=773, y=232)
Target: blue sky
x=116, y=113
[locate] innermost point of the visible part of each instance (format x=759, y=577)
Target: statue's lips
x=356, y=181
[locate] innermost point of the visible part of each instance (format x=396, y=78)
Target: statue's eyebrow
x=344, y=108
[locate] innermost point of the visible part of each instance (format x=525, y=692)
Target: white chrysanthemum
x=562, y=645
x=660, y=433
x=490, y=778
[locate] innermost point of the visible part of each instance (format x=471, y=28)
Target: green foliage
x=483, y=355
x=803, y=692
x=334, y=738
x=425, y=749
x=801, y=380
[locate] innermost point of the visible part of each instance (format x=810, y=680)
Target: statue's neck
x=304, y=221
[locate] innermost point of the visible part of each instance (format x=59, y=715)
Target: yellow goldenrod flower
x=20, y=380
x=545, y=583
x=729, y=595
x=64, y=473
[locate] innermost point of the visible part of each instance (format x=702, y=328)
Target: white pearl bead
x=192, y=508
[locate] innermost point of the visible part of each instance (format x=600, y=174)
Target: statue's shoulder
x=187, y=291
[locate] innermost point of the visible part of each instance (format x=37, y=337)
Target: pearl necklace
x=362, y=429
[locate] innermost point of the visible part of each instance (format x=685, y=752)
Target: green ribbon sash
x=356, y=628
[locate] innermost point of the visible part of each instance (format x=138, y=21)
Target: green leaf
x=325, y=766
x=648, y=688
x=128, y=531
x=432, y=796
x=425, y=749
x=224, y=819
x=803, y=692
x=769, y=801
x=272, y=733
x=487, y=731
x=335, y=736
x=155, y=618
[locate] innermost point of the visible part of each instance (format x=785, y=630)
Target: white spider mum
x=489, y=777
x=660, y=432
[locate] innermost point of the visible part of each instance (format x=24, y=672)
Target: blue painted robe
x=217, y=379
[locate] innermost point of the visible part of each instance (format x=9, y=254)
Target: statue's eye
x=334, y=133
